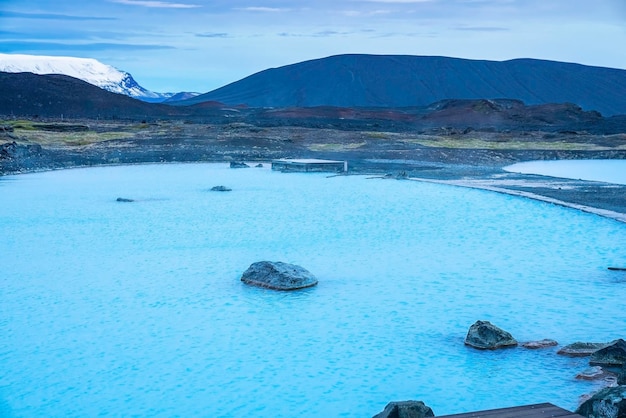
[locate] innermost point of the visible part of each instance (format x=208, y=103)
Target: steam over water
x=122, y=309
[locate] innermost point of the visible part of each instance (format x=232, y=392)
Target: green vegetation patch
x=71, y=138
x=336, y=146
x=467, y=143
x=19, y=124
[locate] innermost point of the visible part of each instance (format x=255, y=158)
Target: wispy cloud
x=397, y=1
x=17, y=46
x=361, y=13
x=321, y=34
x=213, y=35
x=482, y=28
x=157, y=4
x=263, y=9
x=50, y=16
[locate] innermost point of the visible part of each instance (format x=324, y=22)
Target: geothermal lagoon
x=137, y=308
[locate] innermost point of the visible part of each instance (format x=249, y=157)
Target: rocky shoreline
x=603, y=199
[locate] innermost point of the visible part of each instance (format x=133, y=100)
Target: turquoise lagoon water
x=610, y=171
x=136, y=309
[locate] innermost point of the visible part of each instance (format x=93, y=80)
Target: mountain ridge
x=89, y=70
x=361, y=80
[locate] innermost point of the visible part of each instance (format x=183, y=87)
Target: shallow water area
x=609, y=171
x=136, y=308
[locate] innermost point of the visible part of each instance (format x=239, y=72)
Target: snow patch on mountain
x=90, y=70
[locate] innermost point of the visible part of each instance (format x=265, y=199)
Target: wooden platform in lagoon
x=309, y=165
x=541, y=410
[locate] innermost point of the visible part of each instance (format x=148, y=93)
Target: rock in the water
x=486, y=336
x=124, y=199
x=593, y=373
x=540, y=344
x=406, y=409
x=220, y=189
x=238, y=164
x=278, y=276
x=607, y=403
x=611, y=355
x=580, y=349
x=259, y=165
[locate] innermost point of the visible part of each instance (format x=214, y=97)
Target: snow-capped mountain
x=87, y=69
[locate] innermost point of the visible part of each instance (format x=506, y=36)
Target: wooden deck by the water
x=541, y=410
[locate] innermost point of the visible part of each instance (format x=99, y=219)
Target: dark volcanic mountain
x=63, y=96
x=401, y=81
x=59, y=96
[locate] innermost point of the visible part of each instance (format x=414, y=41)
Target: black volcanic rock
x=401, y=81
x=220, y=189
x=611, y=355
x=278, y=276
x=406, y=409
x=486, y=336
x=581, y=349
x=607, y=403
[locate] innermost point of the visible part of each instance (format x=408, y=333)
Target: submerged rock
x=581, y=349
x=607, y=403
x=124, y=199
x=593, y=373
x=540, y=344
x=486, y=336
x=238, y=164
x=220, y=189
x=406, y=409
x=611, y=355
x=278, y=276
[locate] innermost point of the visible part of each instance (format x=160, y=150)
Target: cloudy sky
x=199, y=45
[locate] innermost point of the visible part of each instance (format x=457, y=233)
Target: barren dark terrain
x=54, y=121
x=465, y=143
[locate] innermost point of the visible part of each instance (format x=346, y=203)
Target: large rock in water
x=611, y=355
x=608, y=403
x=486, y=336
x=406, y=409
x=278, y=276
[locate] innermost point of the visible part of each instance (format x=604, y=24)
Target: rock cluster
x=238, y=164
x=278, y=276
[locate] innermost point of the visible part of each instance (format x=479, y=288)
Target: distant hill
x=28, y=94
x=59, y=96
x=87, y=69
x=399, y=81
